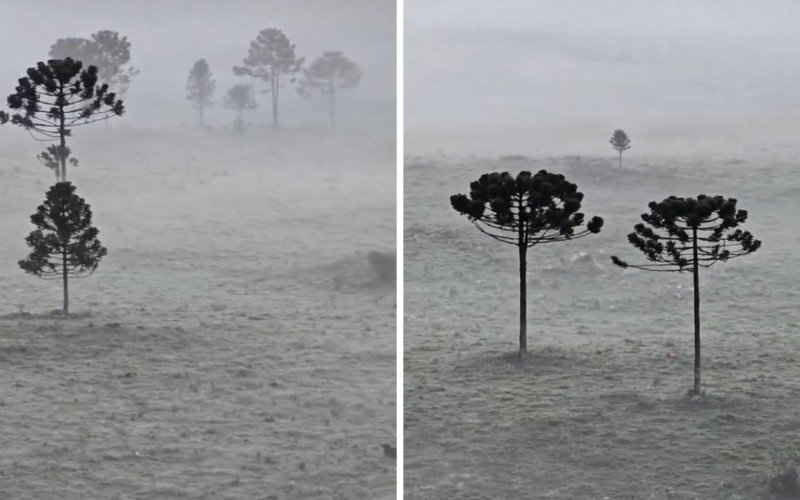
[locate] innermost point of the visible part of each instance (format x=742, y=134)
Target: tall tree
x=104, y=49
x=65, y=243
x=685, y=234
x=200, y=86
x=327, y=73
x=526, y=210
x=620, y=142
x=239, y=98
x=57, y=96
x=270, y=56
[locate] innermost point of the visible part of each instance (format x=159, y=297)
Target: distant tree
x=200, y=86
x=270, y=55
x=106, y=50
x=620, y=142
x=327, y=73
x=239, y=98
x=685, y=234
x=65, y=244
x=51, y=158
x=525, y=211
x=57, y=96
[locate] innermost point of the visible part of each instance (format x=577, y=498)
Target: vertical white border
x=399, y=113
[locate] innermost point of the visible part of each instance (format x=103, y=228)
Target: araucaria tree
x=56, y=97
x=65, y=244
x=239, y=98
x=526, y=210
x=200, y=86
x=270, y=56
x=685, y=234
x=620, y=142
x=106, y=50
x=327, y=73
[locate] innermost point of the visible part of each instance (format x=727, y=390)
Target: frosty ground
x=234, y=343
x=599, y=409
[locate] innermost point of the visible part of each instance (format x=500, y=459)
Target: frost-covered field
x=234, y=343
x=599, y=410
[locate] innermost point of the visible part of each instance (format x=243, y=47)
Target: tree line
x=271, y=59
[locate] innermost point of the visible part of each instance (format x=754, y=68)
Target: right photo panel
x=601, y=205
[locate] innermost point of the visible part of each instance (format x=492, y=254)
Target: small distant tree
x=685, y=234
x=104, y=49
x=57, y=96
x=65, y=243
x=51, y=158
x=270, y=56
x=200, y=86
x=239, y=98
x=327, y=73
x=620, y=142
x=526, y=210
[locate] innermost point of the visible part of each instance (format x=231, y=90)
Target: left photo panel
x=197, y=249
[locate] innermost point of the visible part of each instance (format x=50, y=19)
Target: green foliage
x=64, y=239
x=526, y=210
x=666, y=237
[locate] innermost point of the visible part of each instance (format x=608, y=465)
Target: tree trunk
x=696, y=316
x=63, y=152
x=620, y=160
x=523, y=285
x=275, y=85
x=64, y=275
x=201, y=115
x=333, y=104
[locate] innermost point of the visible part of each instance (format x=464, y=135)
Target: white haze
x=559, y=77
x=167, y=37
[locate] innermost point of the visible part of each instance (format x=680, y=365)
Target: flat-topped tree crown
x=525, y=211
x=327, y=73
x=676, y=226
x=686, y=234
x=56, y=96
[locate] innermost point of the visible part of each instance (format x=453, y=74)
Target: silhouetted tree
x=620, y=142
x=327, y=73
x=57, y=96
x=239, y=98
x=526, y=210
x=65, y=244
x=106, y=50
x=270, y=55
x=200, y=86
x=685, y=234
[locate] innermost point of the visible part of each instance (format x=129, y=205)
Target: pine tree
x=239, y=98
x=327, y=73
x=270, y=56
x=65, y=244
x=685, y=234
x=58, y=96
x=526, y=210
x=620, y=142
x=200, y=86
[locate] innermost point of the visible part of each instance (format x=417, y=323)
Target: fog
x=559, y=77
x=238, y=339
x=167, y=37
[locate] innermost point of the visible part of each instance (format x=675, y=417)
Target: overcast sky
x=168, y=36
x=559, y=76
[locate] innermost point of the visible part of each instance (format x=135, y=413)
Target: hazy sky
x=559, y=76
x=168, y=36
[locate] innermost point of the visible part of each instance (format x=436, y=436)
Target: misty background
x=167, y=37
x=558, y=77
